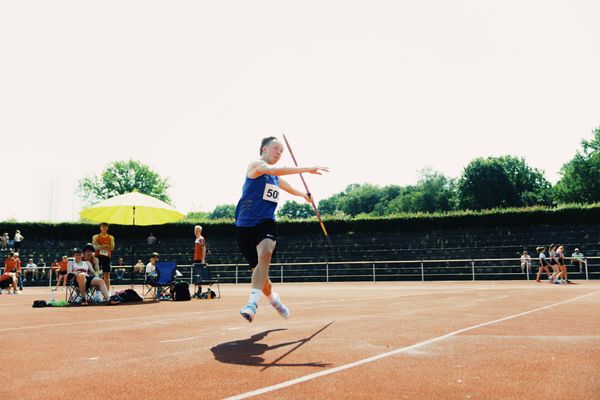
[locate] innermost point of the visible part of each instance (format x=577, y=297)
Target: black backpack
x=182, y=292
x=127, y=296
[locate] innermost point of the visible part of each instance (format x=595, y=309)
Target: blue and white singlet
x=259, y=201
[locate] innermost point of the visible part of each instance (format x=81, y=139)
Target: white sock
x=272, y=297
x=255, y=295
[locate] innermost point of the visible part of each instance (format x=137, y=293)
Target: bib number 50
x=271, y=193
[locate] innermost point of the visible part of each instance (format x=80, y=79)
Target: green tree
x=294, y=210
x=223, y=211
x=505, y=181
x=579, y=181
x=122, y=177
x=360, y=199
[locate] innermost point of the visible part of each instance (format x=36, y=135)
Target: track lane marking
x=415, y=346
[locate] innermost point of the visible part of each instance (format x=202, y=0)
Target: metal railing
x=392, y=270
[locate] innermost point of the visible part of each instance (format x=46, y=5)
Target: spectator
x=199, y=249
x=544, y=264
x=4, y=241
x=8, y=280
x=151, y=273
x=12, y=265
x=18, y=239
x=85, y=276
x=139, y=267
x=104, y=245
x=120, y=272
x=525, y=262
x=63, y=267
x=41, y=269
x=578, y=259
x=151, y=266
x=152, y=240
x=88, y=255
x=31, y=271
x=19, y=270
x=199, y=245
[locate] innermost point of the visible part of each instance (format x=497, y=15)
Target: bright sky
x=376, y=90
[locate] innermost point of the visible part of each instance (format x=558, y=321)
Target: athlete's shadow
x=249, y=351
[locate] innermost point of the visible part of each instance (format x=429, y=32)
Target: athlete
x=255, y=220
x=543, y=263
x=104, y=244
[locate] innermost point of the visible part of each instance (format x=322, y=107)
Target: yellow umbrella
x=132, y=209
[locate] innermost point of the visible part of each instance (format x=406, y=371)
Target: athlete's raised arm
x=261, y=167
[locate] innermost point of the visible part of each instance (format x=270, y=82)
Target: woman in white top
x=85, y=276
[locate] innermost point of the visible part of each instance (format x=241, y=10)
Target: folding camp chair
x=163, y=278
x=73, y=294
x=201, y=275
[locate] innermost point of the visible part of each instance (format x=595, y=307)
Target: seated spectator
x=89, y=256
x=578, y=259
x=120, y=269
x=85, y=276
x=42, y=269
x=8, y=280
x=62, y=271
x=31, y=271
x=151, y=266
x=139, y=267
x=151, y=274
x=525, y=262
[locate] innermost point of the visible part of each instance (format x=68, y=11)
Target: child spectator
x=525, y=262
x=62, y=272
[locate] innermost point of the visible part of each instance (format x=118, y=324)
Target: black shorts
x=104, y=262
x=250, y=237
x=62, y=273
x=5, y=283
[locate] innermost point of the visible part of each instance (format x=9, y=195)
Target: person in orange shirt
x=62, y=272
x=9, y=277
x=104, y=245
x=199, y=245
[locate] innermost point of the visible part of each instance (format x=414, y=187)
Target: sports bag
x=182, y=292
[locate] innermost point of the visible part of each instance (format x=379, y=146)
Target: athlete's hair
x=265, y=142
x=540, y=248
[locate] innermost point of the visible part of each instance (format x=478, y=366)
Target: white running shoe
x=281, y=309
x=249, y=311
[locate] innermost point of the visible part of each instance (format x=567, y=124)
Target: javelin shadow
x=249, y=351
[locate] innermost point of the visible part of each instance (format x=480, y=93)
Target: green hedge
x=532, y=216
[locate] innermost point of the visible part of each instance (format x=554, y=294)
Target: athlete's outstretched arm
x=260, y=168
x=283, y=184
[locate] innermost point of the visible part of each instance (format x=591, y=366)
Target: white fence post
x=281, y=271
x=374, y=272
x=422, y=272
x=236, y=274
x=327, y=272
x=473, y=269
x=587, y=277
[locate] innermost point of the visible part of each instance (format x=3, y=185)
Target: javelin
x=308, y=193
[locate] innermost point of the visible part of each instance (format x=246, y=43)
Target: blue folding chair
x=160, y=280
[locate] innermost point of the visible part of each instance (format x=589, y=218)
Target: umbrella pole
x=133, y=251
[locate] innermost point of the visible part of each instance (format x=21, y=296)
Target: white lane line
x=186, y=314
x=415, y=346
x=180, y=340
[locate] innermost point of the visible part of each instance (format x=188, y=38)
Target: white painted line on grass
x=415, y=346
